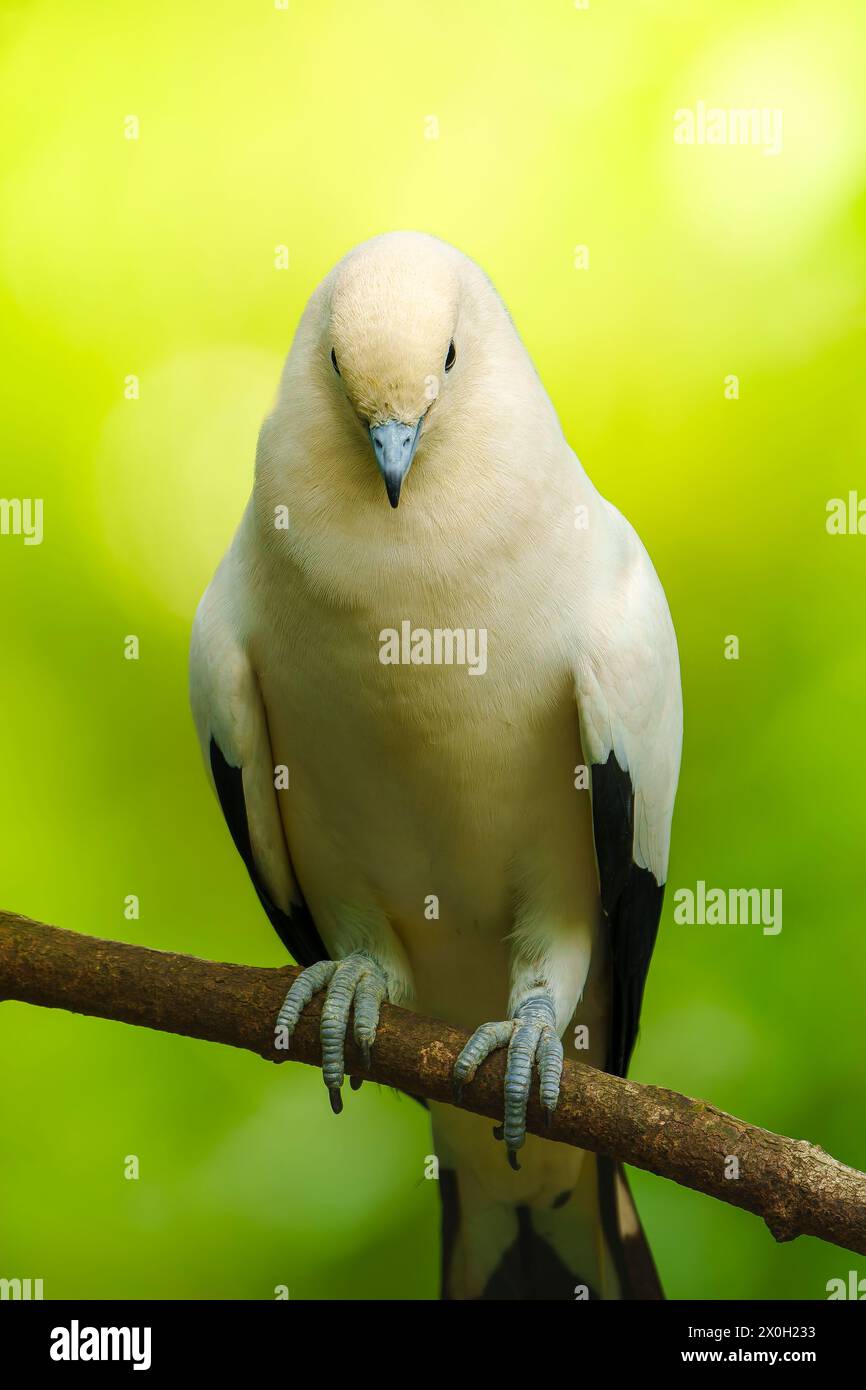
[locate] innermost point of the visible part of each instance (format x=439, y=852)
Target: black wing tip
x=632, y=901
x=296, y=929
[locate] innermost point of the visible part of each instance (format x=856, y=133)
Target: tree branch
x=794, y=1186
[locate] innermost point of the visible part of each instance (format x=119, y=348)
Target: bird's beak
x=394, y=445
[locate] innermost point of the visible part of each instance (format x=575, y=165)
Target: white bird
x=446, y=737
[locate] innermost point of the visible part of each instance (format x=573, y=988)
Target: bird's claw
x=356, y=980
x=530, y=1037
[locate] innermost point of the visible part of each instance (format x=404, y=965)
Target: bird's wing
x=630, y=704
x=232, y=727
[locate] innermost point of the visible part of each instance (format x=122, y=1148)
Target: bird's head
x=406, y=358
x=392, y=343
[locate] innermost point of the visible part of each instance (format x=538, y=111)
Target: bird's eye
x=334, y=362
x=450, y=356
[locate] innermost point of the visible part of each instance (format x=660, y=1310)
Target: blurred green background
x=155, y=257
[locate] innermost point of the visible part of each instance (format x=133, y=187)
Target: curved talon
x=370, y=991
x=335, y=1021
x=532, y=1041
x=356, y=980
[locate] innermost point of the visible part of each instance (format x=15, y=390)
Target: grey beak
x=394, y=445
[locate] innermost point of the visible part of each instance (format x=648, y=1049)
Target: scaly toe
x=371, y=990
x=308, y=983
x=535, y=1042
x=518, y=1079
x=549, y=1058
x=532, y=1040
x=356, y=979
x=484, y=1040
x=335, y=1021
x=358, y=982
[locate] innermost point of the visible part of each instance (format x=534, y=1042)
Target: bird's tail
x=567, y=1229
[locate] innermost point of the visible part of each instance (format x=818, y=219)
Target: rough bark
x=793, y=1185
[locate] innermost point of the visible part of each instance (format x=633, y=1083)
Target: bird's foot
x=356, y=979
x=530, y=1036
